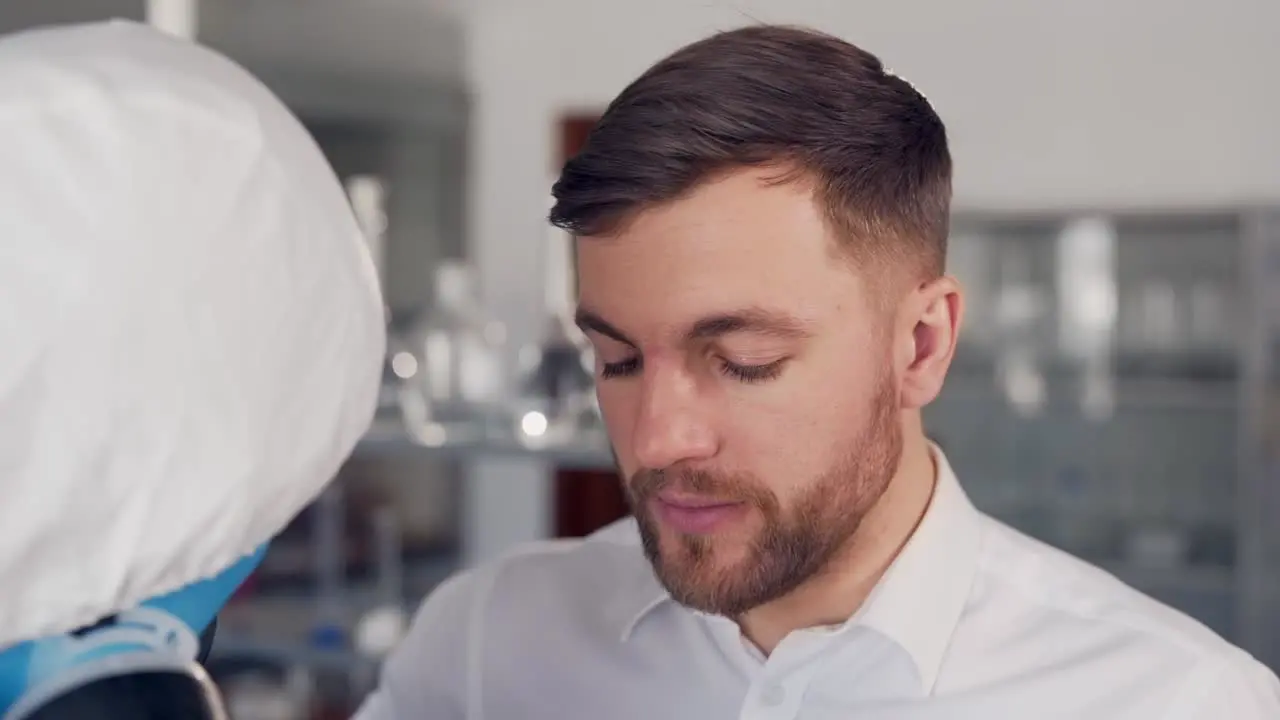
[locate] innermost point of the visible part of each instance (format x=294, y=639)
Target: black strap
x=206, y=641
x=135, y=696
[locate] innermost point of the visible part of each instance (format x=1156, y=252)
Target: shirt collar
x=919, y=600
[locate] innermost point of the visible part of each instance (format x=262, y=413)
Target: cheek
x=792, y=438
x=783, y=451
x=810, y=406
x=618, y=410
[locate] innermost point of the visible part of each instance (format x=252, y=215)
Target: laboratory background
x=1116, y=225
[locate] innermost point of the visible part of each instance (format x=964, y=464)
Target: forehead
x=737, y=242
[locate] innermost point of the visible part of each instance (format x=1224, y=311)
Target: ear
x=929, y=325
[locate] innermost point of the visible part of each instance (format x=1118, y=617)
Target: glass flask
x=557, y=402
x=452, y=369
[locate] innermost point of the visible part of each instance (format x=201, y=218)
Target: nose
x=672, y=425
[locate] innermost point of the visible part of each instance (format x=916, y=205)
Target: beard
x=794, y=544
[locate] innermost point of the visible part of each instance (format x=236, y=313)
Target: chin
x=722, y=553
x=716, y=593
x=705, y=578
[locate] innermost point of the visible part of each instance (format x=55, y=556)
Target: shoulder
x=501, y=617
x=1049, y=582
x=594, y=585
x=1080, y=615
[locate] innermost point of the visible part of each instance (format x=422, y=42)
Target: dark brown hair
x=819, y=108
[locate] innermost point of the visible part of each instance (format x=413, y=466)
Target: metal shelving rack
x=1187, y=459
x=1258, y=502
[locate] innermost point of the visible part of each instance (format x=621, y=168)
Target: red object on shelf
x=586, y=500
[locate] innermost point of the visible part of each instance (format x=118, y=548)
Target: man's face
x=747, y=381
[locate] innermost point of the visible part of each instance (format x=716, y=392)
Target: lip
x=691, y=515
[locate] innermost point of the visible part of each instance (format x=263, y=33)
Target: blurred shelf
x=1177, y=394
x=590, y=452
x=1132, y=393
x=1221, y=363
x=229, y=647
x=274, y=627
x=289, y=571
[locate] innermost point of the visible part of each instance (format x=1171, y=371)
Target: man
x=761, y=224
x=192, y=341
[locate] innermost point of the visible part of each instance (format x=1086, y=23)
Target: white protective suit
x=192, y=330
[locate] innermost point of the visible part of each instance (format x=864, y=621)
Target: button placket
x=773, y=694
x=770, y=700
x=776, y=696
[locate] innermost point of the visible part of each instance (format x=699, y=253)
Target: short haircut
x=818, y=108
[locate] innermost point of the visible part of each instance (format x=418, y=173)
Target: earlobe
x=938, y=308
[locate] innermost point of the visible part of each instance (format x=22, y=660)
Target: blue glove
x=169, y=624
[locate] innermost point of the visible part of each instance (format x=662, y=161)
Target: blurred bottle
x=386, y=622
x=452, y=371
x=278, y=694
x=329, y=625
x=557, y=403
x=389, y=413
x=1022, y=301
x=368, y=197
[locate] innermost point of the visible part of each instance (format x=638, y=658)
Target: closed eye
x=753, y=373
x=623, y=368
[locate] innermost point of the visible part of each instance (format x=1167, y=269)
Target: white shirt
x=973, y=621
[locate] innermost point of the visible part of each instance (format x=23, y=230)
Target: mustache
x=645, y=484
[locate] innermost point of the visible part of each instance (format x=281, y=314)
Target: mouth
x=694, y=515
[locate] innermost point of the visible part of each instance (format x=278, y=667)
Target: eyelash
x=742, y=373
x=620, y=369
x=751, y=373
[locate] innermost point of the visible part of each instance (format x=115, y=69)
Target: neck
x=834, y=595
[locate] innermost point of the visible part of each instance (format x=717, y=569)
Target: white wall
x=392, y=38
x=17, y=16
x=1049, y=104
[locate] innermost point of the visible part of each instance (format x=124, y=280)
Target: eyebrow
x=747, y=320
x=588, y=321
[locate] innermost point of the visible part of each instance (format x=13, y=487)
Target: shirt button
x=773, y=695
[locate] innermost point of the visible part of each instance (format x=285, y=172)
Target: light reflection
x=404, y=365
x=1086, y=270
x=534, y=424
x=1088, y=308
